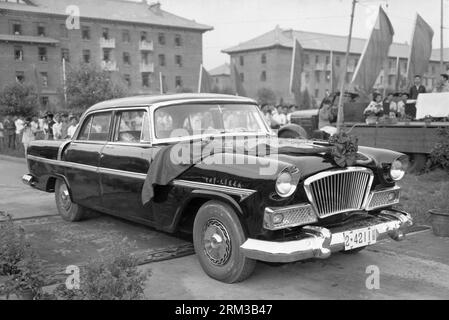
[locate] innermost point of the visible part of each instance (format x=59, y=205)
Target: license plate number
x=359, y=238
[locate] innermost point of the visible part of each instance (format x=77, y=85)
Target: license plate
x=359, y=238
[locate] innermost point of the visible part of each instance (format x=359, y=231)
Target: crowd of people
x=17, y=130
x=278, y=116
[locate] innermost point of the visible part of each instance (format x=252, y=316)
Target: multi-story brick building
x=265, y=61
x=136, y=41
x=221, y=77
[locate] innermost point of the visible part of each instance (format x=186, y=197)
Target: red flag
x=374, y=54
x=296, y=70
x=420, y=49
x=205, y=81
x=239, y=89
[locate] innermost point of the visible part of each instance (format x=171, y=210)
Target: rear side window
x=132, y=126
x=96, y=127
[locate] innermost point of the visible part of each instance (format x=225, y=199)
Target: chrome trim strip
x=328, y=173
x=244, y=193
x=372, y=194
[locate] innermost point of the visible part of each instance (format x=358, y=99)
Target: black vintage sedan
x=289, y=204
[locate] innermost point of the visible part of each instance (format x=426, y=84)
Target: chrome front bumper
x=321, y=242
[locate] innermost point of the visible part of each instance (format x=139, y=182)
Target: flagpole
x=342, y=88
x=160, y=83
x=200, y=78
x=442, y=40
x=332, y=71
x=64, y=80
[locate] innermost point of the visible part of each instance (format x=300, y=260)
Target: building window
x=242, y=77
x=263, y=58
x=16, y=28
x=178, y=81
x=65, y=55
x=42, y=52
x=20, y=76
x=161, y=38
x=44, y=77
x=105, y=33
x=145, y=57
x=86, y=56
x=178, y=60
x=85, y=32
x=242, y=61
x=106, y=54
x=18, y=53
x=433, y=69
x=306, y=59
x=317, y=76
x=348, y=77
x=40, y=30
x=328, y=76
x=356, y=62
x=143, y=36
x=337, y=61
x=45, y=101
x=263, y=76
x=126, y=36
x=145, y=80
x=162, y=60
x=127, y=79
x=328, y=59
x=63, y=31
x=390, y=80
x=178, y=40
x=317, y=59
x=126, y=58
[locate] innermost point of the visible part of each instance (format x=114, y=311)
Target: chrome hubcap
x=217, y=243
x=65, y=197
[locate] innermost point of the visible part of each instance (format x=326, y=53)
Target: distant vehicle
x=308, y=207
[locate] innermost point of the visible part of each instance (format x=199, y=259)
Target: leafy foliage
x=345, y=147
x=112, y=278
x=266, y=96
x=19, y=99
x=18, y=262
x=439, y=156
x=87, y=86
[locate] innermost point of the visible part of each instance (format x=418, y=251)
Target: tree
x=266, y=96
x=19, y=99
x=87, y=86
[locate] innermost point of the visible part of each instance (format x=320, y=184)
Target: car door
x=83, y=157
x=124, y=165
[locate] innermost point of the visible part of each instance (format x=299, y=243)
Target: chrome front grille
x=336, y=191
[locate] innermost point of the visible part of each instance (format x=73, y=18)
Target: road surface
x=417, y=268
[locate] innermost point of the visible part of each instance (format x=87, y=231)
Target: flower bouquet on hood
x=344, y=149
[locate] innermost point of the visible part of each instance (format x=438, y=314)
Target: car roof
x=152, y=99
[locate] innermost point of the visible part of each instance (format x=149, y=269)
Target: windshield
x=197, y=119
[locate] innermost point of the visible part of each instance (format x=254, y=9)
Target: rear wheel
x=217, y=237
x=68, y=210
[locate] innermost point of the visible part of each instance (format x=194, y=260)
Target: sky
x=236, y=21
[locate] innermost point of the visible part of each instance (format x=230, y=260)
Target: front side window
x=196, y=119
x=132, y=127
x=96, y=127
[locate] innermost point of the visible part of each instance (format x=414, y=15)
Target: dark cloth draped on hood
x=171, y=161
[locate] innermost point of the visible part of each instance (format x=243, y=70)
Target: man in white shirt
x=280, y=116
x=72, y=128
x=19, y=128
x=57, y=128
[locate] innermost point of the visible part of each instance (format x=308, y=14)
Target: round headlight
x=398, y=169
x=285, y=185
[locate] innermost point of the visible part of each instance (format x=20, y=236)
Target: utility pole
x=342, y=89
x=442, y=40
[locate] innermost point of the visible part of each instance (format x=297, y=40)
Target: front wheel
x=217, y=237
x=68, y=210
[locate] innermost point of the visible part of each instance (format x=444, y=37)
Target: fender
x=208, y=195
x=60, y=176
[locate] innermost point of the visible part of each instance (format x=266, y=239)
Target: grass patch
x=424, y=192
